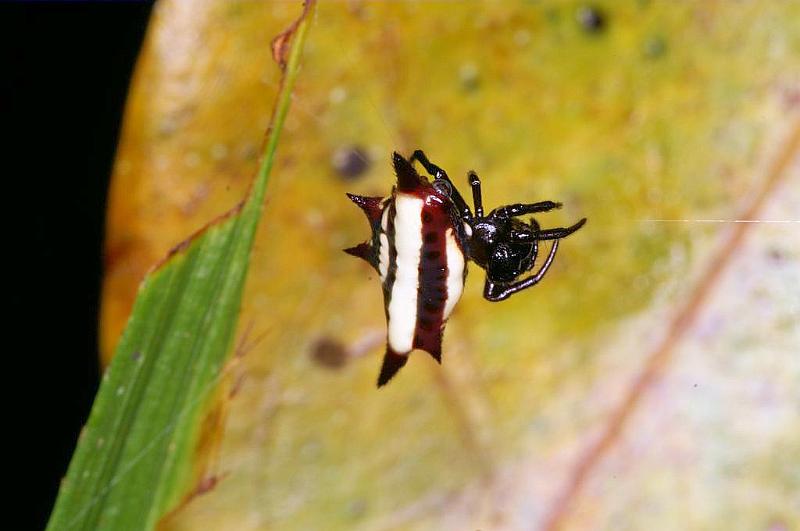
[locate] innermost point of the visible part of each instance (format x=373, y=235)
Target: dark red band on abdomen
x=432, y=284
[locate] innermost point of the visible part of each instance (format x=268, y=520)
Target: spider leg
x=434, y=170
x=477, y=200
x=560, y=232
x=525, y=234
x=520, y=209
x=500, y=291
x=437, y=173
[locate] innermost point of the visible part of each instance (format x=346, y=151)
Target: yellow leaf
x=649, y=382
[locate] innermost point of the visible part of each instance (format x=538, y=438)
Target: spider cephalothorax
x=422, y=236
x=499, y=242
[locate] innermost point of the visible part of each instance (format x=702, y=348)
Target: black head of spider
x=496, y=246
x=513, y=248
x=500, y=243
x=509, y=260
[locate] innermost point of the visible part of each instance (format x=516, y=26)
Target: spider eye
x=443, y=187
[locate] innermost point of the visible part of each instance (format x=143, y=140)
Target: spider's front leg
x=535, y=234
x=520, y=209
x=477, y=199
x=437, y=173
x=498, y=291
x=434, y=170
x=559, y=232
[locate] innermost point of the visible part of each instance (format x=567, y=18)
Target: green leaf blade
x=135, y=458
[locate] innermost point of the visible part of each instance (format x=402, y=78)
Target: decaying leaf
x=650, y=382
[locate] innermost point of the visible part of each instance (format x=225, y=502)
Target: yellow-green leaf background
x=671, y=111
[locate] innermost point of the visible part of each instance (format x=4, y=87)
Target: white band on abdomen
x=455, y=273
x=408, y=243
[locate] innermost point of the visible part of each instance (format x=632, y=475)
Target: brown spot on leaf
x=206, y=484
x=591, y=19
x=350, y=162
x=329, y=353
x=776, y=255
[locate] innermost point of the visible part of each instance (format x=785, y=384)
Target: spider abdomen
x=422, y=266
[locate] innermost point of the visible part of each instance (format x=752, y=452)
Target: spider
x=424, y=233
x=499, y=243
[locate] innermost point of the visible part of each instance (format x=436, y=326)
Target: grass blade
x=135, y=458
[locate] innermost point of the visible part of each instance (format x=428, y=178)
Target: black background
x=65, y=74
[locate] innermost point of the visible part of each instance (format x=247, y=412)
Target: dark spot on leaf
x=350, y=162
x=591, y=19
x=250, y=151
x=329, y=353
x=655, y=47
x=552, y=15
x=136, y=356
x=776, y=255
x=357, y=508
